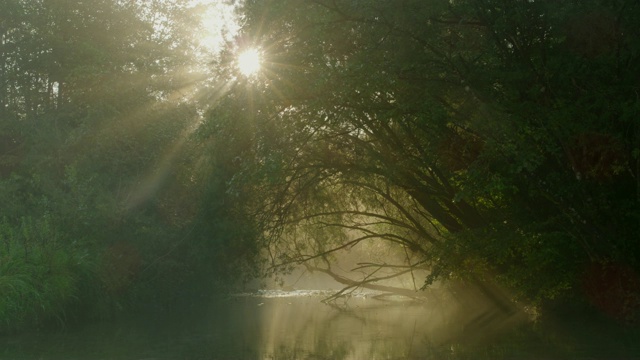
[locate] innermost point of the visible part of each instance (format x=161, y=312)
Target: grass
x=35, y=288
x=38, y=275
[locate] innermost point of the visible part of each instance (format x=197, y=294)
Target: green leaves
x=98, y=102
x=38, y=278
x=499, y=131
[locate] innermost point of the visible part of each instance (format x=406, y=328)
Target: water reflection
x=360, y=328
x=296, y=325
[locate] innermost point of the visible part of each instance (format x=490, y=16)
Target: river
x=297, y=325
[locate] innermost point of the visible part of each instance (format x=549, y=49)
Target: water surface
x=297, y=325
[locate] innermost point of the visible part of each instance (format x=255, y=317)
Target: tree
x=99, y=172
x=411, y=123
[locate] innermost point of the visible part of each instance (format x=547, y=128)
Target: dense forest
x=109, y=199
x=442, y=141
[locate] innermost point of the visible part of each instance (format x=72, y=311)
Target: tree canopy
x=480, y=139
x=107, y=203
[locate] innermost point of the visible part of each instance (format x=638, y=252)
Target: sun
x=249, y=62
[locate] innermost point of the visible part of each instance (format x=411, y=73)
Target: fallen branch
x=367, y=284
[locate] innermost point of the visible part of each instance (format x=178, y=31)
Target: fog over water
x=297, y=324
x=266, y=324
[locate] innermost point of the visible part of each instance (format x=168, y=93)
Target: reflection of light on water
x=320, y=293
x=282, y=293
x=295, y=324
x=298, y=325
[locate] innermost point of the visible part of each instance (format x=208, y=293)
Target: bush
x=36, y=287
x=39, y=277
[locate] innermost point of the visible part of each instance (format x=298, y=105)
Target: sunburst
x=249, y=62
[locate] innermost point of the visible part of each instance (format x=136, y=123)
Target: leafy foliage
x=101, y=178
x=473, y=139
x=493, y=140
